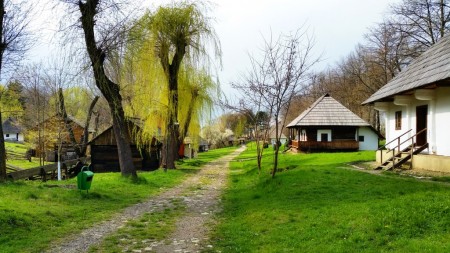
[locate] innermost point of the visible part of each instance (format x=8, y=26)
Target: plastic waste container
x=84, y=178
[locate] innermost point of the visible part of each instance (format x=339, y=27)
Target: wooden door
x=421, y=123
x=324, y=137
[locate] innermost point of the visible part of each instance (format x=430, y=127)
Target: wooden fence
x=45, y=172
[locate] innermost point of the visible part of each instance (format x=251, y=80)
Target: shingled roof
x=11, y=126
x=430, y=67
x=326, y=111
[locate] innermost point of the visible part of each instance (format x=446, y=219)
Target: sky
x=337, y=26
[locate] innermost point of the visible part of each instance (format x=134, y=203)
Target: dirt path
x=201, y=195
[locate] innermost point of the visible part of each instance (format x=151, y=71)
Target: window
x=398, y=120
x=7, y=135
x=361, y=138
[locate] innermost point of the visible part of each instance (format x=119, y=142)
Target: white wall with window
x=368, y=139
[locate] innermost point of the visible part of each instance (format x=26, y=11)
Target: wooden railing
x=317, y=145
x=42, y=171
x=399, y=144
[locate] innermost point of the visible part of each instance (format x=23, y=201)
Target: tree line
x=409, y=28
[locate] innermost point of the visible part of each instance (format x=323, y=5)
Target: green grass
x=317, y=205
x=204, y=158
x=34, y=214
x=20, y=148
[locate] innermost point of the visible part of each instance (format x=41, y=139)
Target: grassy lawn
x=317, y=205
x=205, y=157
x=19, y=148
x=33, y=214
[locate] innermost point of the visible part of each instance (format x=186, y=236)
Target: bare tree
x=80, y=146
x=274, y=81
x=423, y=22
x=100, y=39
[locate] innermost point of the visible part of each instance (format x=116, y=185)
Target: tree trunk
x=277, y=148
x=123, y=144
x=63, y=114
x=2, y=140
x=2, y=152
x=171, y=70
x=109, y=89
x=85, y=137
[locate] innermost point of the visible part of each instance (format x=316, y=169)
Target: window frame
x=398, y=120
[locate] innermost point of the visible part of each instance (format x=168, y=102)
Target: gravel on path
x=201, y=195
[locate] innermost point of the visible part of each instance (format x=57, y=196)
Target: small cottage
x=104, y=156
x=12, y=130
x=328, y=125
x=416, y=109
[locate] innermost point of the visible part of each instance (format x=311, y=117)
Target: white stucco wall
x=370, y=139
x=438, y=133
x=13, y=137
x=442, y=126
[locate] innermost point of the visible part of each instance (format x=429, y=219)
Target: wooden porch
x=325, y=145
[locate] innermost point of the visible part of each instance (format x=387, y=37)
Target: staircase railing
x=411, y=150
x=398, y=145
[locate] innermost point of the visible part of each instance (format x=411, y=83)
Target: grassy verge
x=316, y=205
x=34, y=214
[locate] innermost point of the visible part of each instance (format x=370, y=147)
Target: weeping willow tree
x=174, y=45
x=147, y=97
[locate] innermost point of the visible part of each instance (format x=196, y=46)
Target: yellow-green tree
x=178, y=37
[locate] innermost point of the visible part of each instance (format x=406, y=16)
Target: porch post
x=431, y=131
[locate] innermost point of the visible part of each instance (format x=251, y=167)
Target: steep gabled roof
x=326, y=111
x=11, y=126
x=430, y=67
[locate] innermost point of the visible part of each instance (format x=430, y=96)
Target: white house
x=273, y=136
x=416, y=105
x=12, y=131
x=328, y=125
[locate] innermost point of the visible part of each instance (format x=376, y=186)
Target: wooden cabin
x=328, y=125
x=104, y=156
x=51, y=133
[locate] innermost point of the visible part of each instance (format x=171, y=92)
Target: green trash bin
x=84, y=178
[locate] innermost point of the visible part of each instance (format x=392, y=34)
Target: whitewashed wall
x=370, y=139
x=438, y=133
x=442, y=126
x=13, y=137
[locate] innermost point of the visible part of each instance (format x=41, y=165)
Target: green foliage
x=77, y=100
x=10, y=101
x=156, y=37
x=317, y=204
